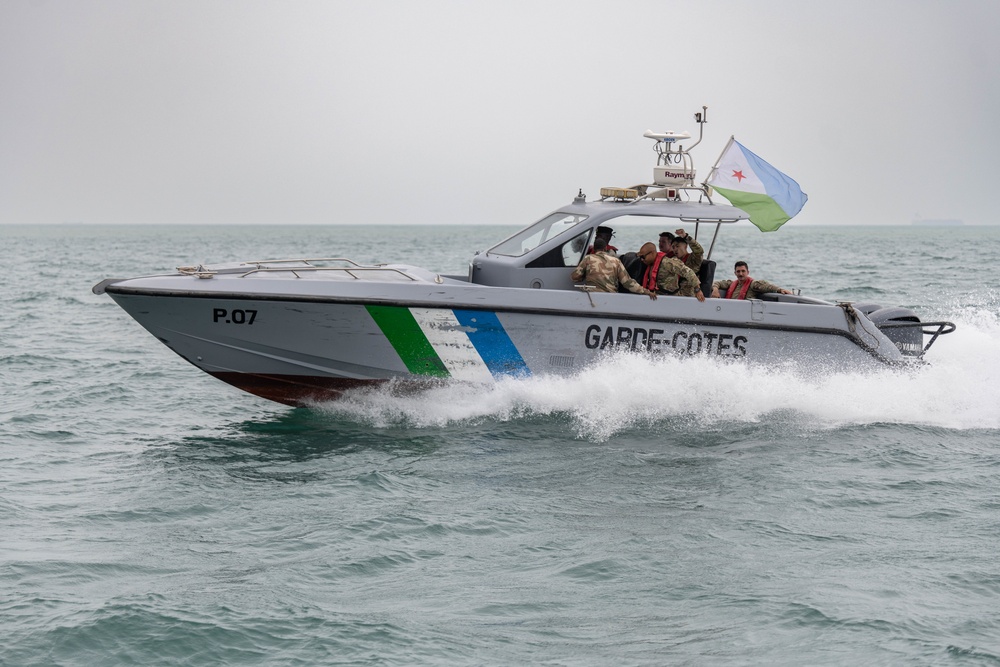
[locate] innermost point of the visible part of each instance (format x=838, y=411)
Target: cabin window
x=567, y=254
x=528, y=239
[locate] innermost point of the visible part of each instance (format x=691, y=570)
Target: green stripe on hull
x=410, y=343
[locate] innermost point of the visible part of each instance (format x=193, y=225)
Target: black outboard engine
x=902, y=327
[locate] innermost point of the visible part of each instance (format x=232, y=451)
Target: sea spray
x=956, y=389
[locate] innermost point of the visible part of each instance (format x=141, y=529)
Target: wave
x=955, y=390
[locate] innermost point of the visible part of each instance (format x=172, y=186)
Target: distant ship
x=937, y=222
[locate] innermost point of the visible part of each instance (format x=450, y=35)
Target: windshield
x=528, y=239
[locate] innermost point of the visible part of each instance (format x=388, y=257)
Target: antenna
x=700, y=117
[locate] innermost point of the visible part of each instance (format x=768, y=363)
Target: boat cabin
x=544, y=255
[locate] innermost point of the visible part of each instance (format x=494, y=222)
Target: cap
x=605, y=230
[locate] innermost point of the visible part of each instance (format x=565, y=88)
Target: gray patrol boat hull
x=301, y=339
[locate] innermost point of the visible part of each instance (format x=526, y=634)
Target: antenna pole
x=700, y=117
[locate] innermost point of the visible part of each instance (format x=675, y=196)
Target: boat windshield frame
x=550, y=227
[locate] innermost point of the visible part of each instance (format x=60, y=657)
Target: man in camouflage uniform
x=666, y=243
x=680, y=244
x=605, y=273
x=672, y=277
x=604, y=233
x=746, y=287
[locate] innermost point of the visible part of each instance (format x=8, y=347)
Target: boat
x=297, y=331
x=937, y=222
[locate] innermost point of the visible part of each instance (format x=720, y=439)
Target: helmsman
x=605, y=273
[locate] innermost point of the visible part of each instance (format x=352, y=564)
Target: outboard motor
x=867, y=308
x=902, y=327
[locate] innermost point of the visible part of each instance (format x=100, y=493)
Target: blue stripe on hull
x=492, y=343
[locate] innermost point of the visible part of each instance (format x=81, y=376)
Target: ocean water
x=640, y=513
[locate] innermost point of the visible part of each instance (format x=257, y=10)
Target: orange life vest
x=744, y=288
x=649, y=278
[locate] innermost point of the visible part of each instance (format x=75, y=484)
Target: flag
x=770, y=197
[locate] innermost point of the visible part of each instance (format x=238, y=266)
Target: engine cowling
x=902, y=327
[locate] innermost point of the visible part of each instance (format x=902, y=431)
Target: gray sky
x=428, y=111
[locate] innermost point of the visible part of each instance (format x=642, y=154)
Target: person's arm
x=718, y=286
x=762, y=287
x=696, y=250
x=692, y=277
x=629, y=283
x=579, y=272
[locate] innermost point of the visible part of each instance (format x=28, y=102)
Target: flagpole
x=715, y=166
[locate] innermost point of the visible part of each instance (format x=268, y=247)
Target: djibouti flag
x=770, y=197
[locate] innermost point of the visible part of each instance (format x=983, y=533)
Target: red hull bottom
x=294, y=390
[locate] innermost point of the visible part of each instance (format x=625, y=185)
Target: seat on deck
x=633, y=266
x=706, y=274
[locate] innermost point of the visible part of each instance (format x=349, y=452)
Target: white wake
x=958, y=389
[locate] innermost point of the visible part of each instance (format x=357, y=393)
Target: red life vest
x=649, y=278
x=590, y=250
x=744, y=288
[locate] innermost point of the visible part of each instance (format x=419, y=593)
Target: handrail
x=202, y=271
x=942, y=329
x=649, y=192
x=306, y=261
x=346, y=269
